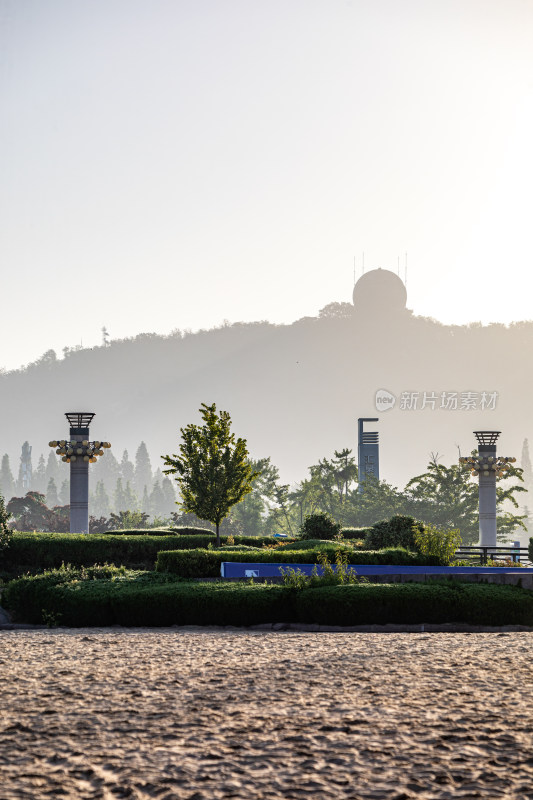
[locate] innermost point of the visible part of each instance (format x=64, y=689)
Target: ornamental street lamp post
x=79, y=452
x=487, y=466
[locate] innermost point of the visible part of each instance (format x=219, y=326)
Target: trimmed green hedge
x=105, y=596
x=36, y=552
x=354, y=533
x=206, y=563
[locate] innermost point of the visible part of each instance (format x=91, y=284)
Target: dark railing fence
x=486, y=552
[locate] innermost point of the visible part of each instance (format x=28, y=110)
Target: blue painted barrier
x=235, y=569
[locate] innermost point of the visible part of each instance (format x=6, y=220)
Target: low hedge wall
x=36, y=552
x=354, y=533
x=206, y=563
x=100, y=598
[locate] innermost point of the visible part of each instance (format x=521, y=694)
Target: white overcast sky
x=174, y=163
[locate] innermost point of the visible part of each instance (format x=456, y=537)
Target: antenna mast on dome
x=405, y=281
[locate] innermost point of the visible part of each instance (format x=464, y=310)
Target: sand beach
x=204, y=713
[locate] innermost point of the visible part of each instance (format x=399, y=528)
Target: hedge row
x=35, y=552
x=206, y=563
x=354, y=533
x=136, y=600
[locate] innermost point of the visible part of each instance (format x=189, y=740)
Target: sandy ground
x=192, y=713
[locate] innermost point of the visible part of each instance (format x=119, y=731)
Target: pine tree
x=7, y=481
x=53, y=469
x=169, y=497
x=127, y=470
x=145, y=503
x=131, y=498
x=64, y=494
x=143, y=470
x=120, y=500
x=52, y=499
x=25, y=470
x=527, y=474
x=100, y=504
x=157, y=500
x=526, y=464
x=107, y=470
x=39, y=482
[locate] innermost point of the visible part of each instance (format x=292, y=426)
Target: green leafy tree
x=212, y=468
x=128, y=520
x=32, y=514
x=379, y=500
x=5, y=531
x=250, y=514
x=447, y=498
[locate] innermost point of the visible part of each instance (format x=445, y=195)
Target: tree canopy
x=212, y=469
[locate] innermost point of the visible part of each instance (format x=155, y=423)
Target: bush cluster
x=397, y=531
x=35, y=552
x=354, y=533
x=319, y=526
x=206, y=563
x=107, y=596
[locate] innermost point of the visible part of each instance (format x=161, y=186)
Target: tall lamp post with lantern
x=487, y=466
x=79, y=452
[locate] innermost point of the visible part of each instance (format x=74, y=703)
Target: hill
x=294, y=391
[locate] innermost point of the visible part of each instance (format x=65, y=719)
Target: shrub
x=436, y=544
x=206, y=563
x=107, y=596
x=395, y=532
x=35, y=552
x=312, y=544
x=137, y=598
x=319, y=526
x=5, y=533
x=342, y=574
x=412, y=603
x=354, y=533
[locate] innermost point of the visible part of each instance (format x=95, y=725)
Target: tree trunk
x=218, y=534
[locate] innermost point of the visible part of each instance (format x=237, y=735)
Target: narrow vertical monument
x=79, y=452
x=367, y=451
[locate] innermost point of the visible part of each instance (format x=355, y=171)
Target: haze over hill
x=294, y=391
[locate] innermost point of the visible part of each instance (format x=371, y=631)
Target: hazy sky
x=171, y=164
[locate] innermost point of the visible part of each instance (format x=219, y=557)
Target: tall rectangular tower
x=368, y=452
